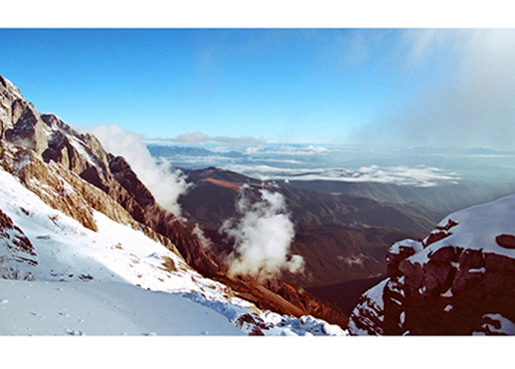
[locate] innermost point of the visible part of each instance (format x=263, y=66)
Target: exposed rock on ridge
x=14, y=240
x=53, y=161
x=459, y=280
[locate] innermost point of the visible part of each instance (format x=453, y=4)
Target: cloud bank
x=473, y=106
x=420, y=176
x=262, y=236
x=165, y=184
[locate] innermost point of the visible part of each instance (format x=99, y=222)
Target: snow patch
x=496, y=323
x=447, y=293
x=375, y=294
x=477, y=228
x=97, y=309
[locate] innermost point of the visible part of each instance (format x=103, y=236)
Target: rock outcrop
x=459, y=280
x=72, y=173
x=18, y=246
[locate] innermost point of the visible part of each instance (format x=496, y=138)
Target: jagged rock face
x=276, y=295
x=28, y=137
x=309, y=303
x=15, y=249
x=20, y=122
x=67, y=170
x=14, y=241
x=83, y=154
x=459, y=280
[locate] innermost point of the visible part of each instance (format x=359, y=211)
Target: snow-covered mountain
x=86, y=249
x=460, y=279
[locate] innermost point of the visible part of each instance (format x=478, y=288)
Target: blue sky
x=394, y=86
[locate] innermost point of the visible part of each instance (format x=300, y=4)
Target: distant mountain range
x=158, y=150
x=436, y=201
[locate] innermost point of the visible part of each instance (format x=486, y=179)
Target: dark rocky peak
x=22, y=125
x=55, y=123
x=26, y=129
x=3, y=82
x=90, y=143
x=58, y=148
x=15, y=247
x=74, y=153
x=8, y=88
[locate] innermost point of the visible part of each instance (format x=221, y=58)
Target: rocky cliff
x=459, y=280
x=19, y=249
x=72, y=173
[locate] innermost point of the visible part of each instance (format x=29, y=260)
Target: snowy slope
x=108, y=308
x=114, y=281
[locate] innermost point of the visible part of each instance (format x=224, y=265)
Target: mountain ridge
x=72, y=173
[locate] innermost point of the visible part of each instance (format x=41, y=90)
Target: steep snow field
x=112, y=282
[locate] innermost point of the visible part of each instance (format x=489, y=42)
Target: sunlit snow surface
x=105, y=308
x=114, y=282
x=477, y=228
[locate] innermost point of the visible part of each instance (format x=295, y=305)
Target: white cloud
x=195, y=137
x=353, y=259
x=262, y=236
x=165, y=184
x=421, y=44
x=475, y=103
x=421, y=176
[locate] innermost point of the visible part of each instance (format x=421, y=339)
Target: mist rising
x=263, y=235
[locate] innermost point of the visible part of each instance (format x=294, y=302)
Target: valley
x=342, y=230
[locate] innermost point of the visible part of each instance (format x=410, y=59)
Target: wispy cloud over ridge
x=423, y=167
x=165, y=184
x=474, y=106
